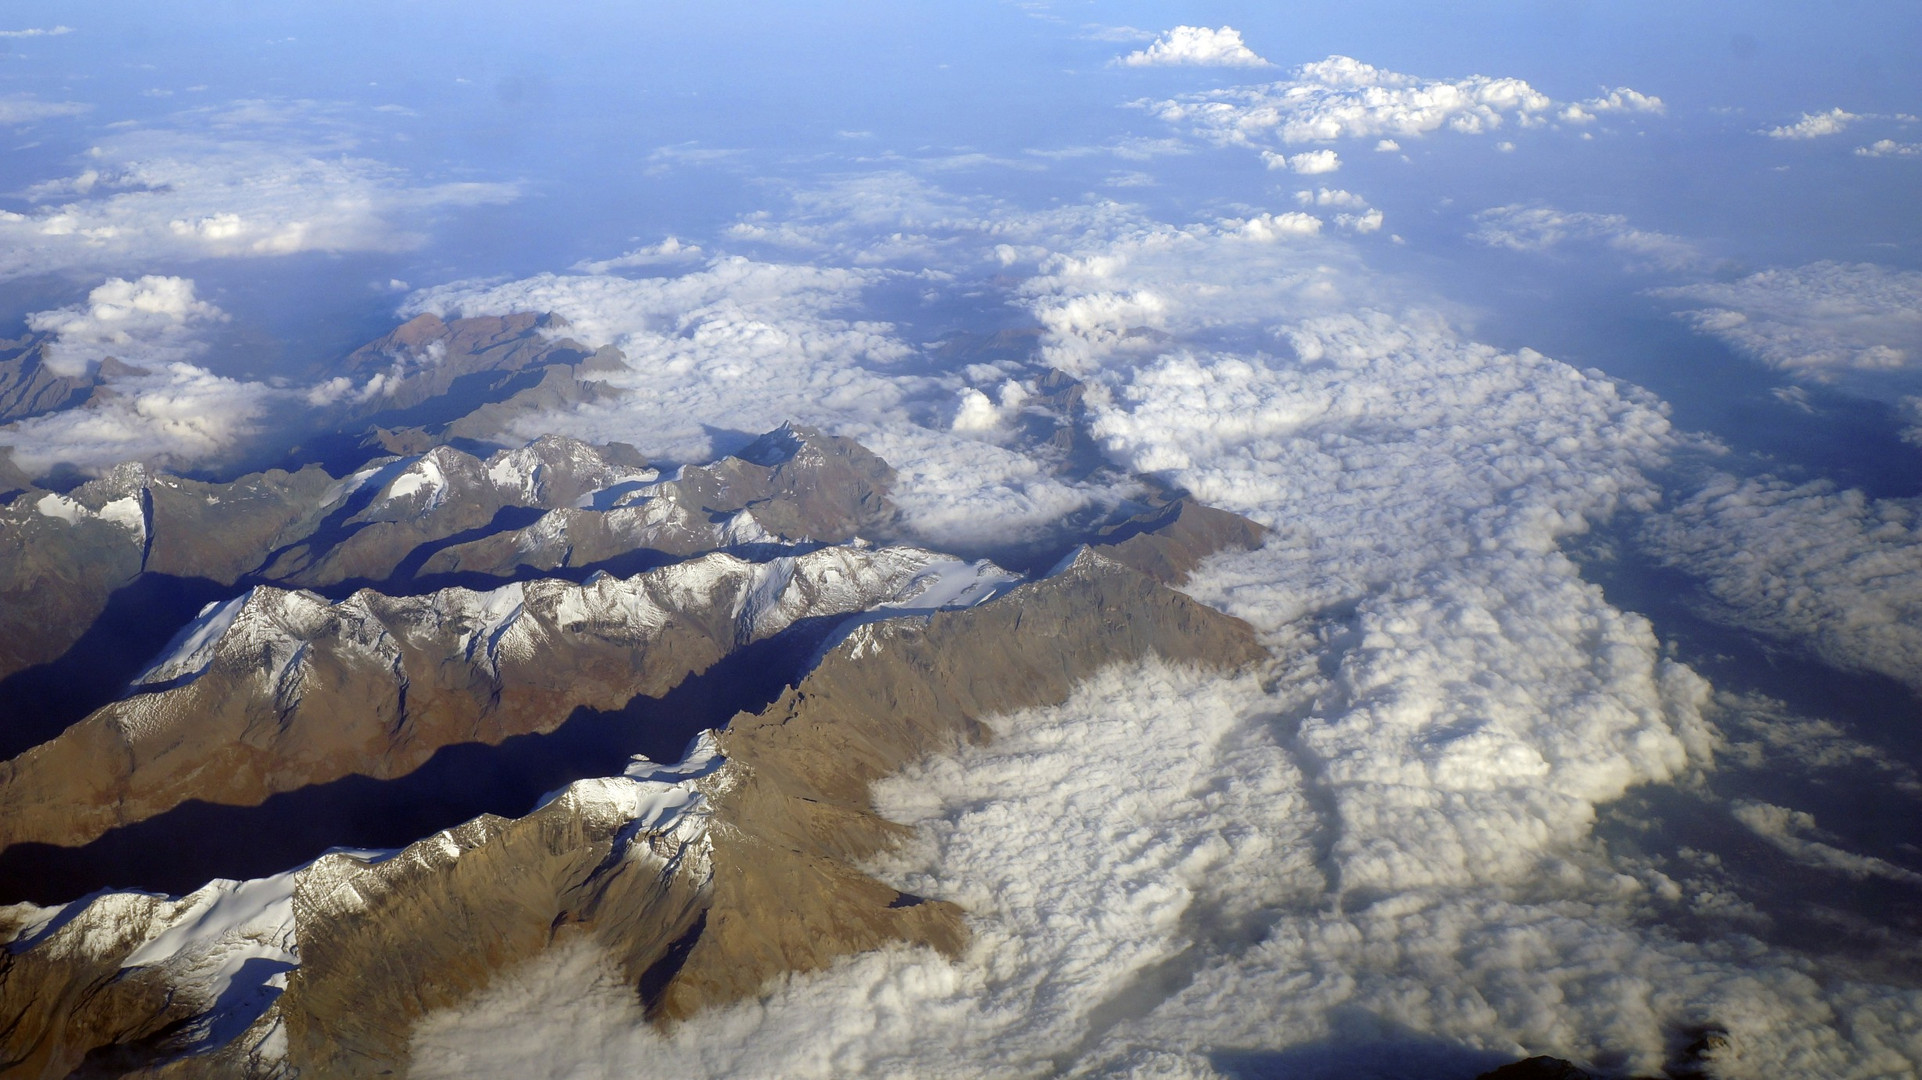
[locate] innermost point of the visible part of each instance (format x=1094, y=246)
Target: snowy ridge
x=226, y=948
x=602, y=601
x=940, y=583
x=654, y=513
x=882, y=582
x=1082, y=558
x=495, y=614
x=551, y=472
x=528, y=474
x=116, y=498
x=265, y=631
x=662, y=795
x=268, y=634
x=219, y=927
x=742, y=528
x=375, y=474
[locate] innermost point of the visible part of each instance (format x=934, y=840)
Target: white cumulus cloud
x=668, y=252
x=1815, y=125
x=151, y=319
x=1306, y=163
x=1341, y=97
x=1196, y=45
x=1889, y=148
x=1619, y=100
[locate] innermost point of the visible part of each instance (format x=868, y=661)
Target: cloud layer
x=1857, y=325
x=176, y=415
x=167, y=410
x=1815, y=125
x=258, y=179
x=1140, y=866
x=1342, y=98
x=741, y=346
x=1835, y=571
x=1349, y=428
x=27, y=109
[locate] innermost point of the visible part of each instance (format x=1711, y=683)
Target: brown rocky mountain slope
x=702, y=882
x=275, y=690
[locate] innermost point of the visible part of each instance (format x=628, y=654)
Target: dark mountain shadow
x=340, y=453
x=1874, y=707
x=333, y=529
x=724, y=442
x=472, y=391
x=506, y=519
x=625, y=565
x=1834, y=912
x=347, y=448
x=182, y=849
x=140, y=618
x=1364, y=1047
x=654, y=981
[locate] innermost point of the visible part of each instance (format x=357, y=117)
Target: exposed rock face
x=1537, y=1068
x=28, y=387
x=141, y=981
x=791, y=485
x=405, y=503
x=701, y=881
x=566, y=504
x=62, y=556
x=425, y=371
x=275, y=690
x=64, y=995
x=422, y=359
x=894, y=691
x=1167, y=542
x=562, y=386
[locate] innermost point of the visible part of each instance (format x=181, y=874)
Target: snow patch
x=59, y=506
x=425, y=475
x=124, y=512
x=242, y=920
x=496, y=613
x=193, y=649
